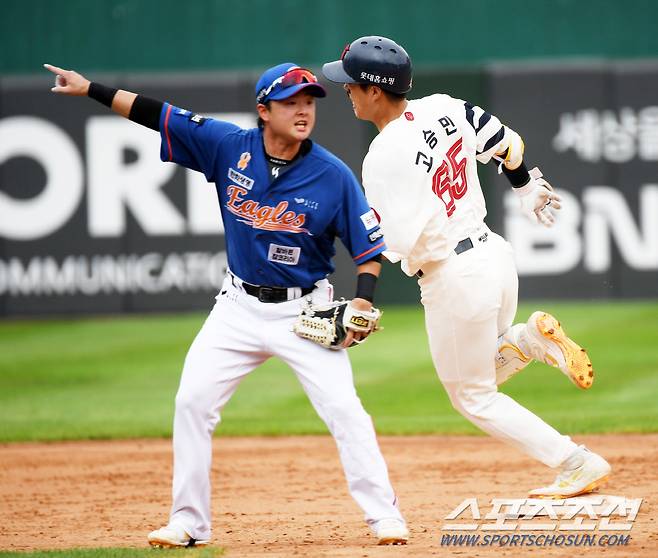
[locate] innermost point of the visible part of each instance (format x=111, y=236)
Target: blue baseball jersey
x=279, y=232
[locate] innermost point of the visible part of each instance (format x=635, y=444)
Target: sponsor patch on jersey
x=409, y=116
x=240, y=179
x=375, y=235
x=286, y=255
x=244, y=160
x=369, y=220
x=197, y=119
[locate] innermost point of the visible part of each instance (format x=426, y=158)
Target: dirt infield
x=282, y=497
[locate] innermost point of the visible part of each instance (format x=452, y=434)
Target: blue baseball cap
x=284, y=80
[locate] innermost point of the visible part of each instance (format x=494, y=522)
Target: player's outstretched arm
x=69, y=82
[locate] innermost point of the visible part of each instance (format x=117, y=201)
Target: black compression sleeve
x=146, y=111
x=519, y=176
x=365, y=286
x=101, y=93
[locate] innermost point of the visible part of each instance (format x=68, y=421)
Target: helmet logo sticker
x=374, y=78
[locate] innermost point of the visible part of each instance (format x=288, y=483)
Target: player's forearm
x=123, y=102
x=371, y=266
x=519, y=176
x=366, y=282
x=118, y=100
x=139, y=109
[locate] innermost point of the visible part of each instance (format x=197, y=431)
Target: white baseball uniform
x=240, y=334
x=420, y=176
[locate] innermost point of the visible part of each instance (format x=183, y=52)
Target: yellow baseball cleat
x=550, y=344
x=582, y=473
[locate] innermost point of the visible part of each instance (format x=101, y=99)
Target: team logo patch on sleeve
x=287, y=255
x=197, y=119
x=375, y=235
x=369, y=220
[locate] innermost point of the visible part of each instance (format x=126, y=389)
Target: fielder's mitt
x=327, y=324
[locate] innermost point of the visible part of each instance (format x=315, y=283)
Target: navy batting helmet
x=373, y=60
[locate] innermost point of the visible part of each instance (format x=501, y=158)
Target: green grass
x=118, y=553
x=116, y=378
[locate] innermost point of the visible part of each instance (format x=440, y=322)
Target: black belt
x=462, y=246
x=271, y=294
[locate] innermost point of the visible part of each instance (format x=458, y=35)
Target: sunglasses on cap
x=295, y=76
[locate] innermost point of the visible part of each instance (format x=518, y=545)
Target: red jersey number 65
x=449, y=180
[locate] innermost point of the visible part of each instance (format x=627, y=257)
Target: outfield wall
x=166, y=35
x=91, y=221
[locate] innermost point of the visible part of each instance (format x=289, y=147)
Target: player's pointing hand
x=68, y=82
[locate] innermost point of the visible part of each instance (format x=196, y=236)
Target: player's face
x=292, y=119
x=359, y=97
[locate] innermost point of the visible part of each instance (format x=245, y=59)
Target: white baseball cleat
x=391, y=531
x=548, y=343
x=581, y=473
x=172, y=536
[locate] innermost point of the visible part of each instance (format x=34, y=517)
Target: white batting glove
x=538, y=201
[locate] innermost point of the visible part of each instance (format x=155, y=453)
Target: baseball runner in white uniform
x=283, y=200
x=420, y=176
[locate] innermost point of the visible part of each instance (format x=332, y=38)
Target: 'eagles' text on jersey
x=279, y=232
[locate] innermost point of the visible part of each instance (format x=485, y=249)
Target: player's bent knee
x=471, y=402
x=189, y=401
x=346, y=415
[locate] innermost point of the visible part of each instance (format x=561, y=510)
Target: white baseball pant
x=239, y=334
x=470, y=300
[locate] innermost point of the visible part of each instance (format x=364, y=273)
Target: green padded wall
x=138, y=35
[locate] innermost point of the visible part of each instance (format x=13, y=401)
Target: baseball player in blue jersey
x=283, y=200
